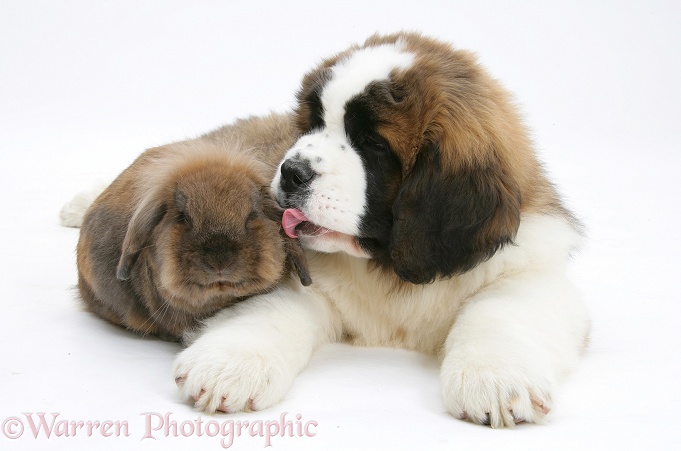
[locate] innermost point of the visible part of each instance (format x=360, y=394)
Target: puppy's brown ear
x=294, y=251
x=447, y=221
x=309, y=113
x=147, y=215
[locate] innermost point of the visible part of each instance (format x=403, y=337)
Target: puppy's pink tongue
x=292, y=217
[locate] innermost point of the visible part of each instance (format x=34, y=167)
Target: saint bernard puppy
x=430, y=225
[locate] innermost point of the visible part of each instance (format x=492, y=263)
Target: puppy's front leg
x=246, y=357
x=509, y=346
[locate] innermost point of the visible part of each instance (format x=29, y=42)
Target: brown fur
x=468, y=169
x=188, y=229
x=466, y=242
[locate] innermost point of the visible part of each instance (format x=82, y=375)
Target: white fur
x=248, y=355
x=338, y=199
x=73, y=212
x=506, y=331
x=351, y=76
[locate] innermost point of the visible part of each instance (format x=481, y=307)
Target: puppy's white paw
x=231, y=377
x=497, y=392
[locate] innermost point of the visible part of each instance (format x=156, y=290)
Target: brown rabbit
x=186, y=230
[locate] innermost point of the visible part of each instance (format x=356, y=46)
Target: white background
x=85, y=86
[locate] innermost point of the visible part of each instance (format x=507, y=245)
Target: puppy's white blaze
x=351, y=76
x=338, y=197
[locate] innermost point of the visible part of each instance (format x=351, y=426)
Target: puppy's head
x=411, y=155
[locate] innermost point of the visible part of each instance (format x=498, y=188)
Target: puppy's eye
x=375, y=142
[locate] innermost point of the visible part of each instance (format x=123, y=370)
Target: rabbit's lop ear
x=147, y=215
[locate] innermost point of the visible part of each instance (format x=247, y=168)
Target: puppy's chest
x=377, y=312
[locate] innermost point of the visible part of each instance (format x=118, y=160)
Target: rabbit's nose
x=219, y=254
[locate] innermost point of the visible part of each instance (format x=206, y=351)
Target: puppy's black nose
x=294, y=173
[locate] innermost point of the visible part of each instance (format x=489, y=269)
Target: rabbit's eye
x=251, y=216
x=183, y=218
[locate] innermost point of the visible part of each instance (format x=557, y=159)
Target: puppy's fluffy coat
x=432, y=227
